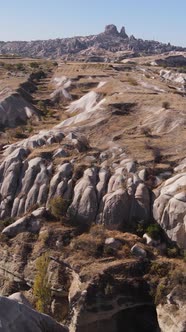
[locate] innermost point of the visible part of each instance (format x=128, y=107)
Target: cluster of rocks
x=112, y=194
x=100, y=194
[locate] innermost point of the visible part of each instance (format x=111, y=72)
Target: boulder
x=169, y=209
x=17, y=317
x=150, y=241
x=141, y=207
x=84, y=205
x=115, y=209
x=60, y=153
x=25, y=224
x=20, y=298
x=138, y=251
x=101, y=187
x=113, y=243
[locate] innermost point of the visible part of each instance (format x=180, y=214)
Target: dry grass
x=44, y=152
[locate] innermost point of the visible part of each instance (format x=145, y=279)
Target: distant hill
x=99, y=47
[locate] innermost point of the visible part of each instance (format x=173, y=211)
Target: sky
x=162, y=20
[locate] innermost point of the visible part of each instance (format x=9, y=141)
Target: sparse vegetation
x=19, y=133
x=160, y=292
x=6, y=222
x=146, y=131
x=173, y=252
x=58, y=207
x=20, y=66
x=41, y=288
x=34, y=64
x=154, y=231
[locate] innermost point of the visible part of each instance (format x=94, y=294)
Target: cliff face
x=110, y=40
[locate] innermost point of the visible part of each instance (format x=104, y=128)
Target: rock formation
x=111, y=29
x=20, y=318
x=109, y=41
x=85, y=191
x=170, y=209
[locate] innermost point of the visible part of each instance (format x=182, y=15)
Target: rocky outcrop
x=108, y=303
x=170, y=208
x=29, y=223
x=103, y=194
x=20, y=298
x=172, y=61
x=20, y=318
x=111, y=29
x=84, y=205
x=172, y=314
x=123, y=33
x=115, y=209
x=15, y=110
x=169, y=75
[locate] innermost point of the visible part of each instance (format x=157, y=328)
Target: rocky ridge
x=102, y=46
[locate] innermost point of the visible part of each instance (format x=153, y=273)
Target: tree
x=41, y=287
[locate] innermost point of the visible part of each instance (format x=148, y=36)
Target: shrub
x=6, y=222
x=20, y=66
x=9, y=66
x=34, y=64
x=58, y=207
x=166, y=105
x=160, y=292
x=41, y=286
x=132, y=81
x=159, y=269
x=154, y=231
x=156, y=152
x=55, y=64
x=19, y=134
x=172, y=252
x=146, y=131
x=41, y=104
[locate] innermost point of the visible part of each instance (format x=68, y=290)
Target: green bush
x=41, y=288
x=154, y=231
x=58, y=207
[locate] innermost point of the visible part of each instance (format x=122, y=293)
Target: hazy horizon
x=164, y=22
